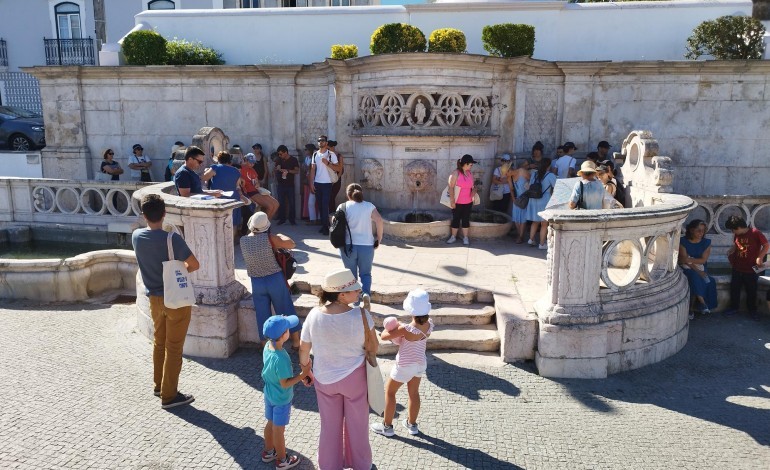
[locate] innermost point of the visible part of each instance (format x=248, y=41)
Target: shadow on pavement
x=720, y=376
x=444, y=375
x=463, y=456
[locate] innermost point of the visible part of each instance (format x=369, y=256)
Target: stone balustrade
x=106, y=204
x=714, y=210
x=615, y=298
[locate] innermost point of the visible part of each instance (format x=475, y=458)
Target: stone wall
x=710, y=115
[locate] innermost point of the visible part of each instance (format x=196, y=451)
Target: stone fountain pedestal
x=207, y=227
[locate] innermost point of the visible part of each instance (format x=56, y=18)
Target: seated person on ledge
x=187, y=180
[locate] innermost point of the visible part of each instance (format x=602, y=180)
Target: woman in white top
x=358, y=253
x=335, y=332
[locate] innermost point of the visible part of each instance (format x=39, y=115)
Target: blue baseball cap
x=277, y=325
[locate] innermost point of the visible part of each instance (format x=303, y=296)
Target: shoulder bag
x=496, y=191
x=333, y=175
x=285, y=259
x=374, y=383
x=177, y=289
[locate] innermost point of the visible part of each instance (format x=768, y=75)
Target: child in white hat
x=411, y=364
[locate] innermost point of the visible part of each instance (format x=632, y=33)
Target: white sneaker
x=531, y=242
x=466, y=241
x=366, y=302
x=412, y=428
x=542, y=247
x=380, y=428
x=452, y=239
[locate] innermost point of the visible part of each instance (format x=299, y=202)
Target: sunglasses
x=200, y=161
x=321, y=140
x=110, y=153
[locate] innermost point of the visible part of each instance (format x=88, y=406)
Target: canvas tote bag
x=374, y=383
x=177, y=289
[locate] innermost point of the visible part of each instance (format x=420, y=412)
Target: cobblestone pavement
x=76, y=393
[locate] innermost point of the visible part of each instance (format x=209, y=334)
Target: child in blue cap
x=279, y=380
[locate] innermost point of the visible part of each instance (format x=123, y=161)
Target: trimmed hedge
x=447, y=40
x=144, y=48
x=344, y=51
x=727, y=38
x=509, y=40
x=181, y=52
x=397, y=37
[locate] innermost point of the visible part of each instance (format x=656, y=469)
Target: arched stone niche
x=211, y=140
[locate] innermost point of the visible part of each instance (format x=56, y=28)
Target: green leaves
x=509, y=40
x=447, y=40
x=727, y=38
x=144, y=48
x=344, y=51
x=181, y=52
x=397, y=37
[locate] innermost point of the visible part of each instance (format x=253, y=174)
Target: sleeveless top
x=465, y=185
x=359, y=217
x=258, y=255
x=413, y=352
x=226, y=179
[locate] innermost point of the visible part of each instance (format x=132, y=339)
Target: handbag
x=177, y=289
x=285, y=259
x=522, y=201
x=374, y=383
x=333, y=175
x=496, y=192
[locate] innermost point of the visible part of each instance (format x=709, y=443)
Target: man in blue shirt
x=186, y=179
x=589, y=192
x=151, y=248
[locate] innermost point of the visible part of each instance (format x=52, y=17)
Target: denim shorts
x=278, y=415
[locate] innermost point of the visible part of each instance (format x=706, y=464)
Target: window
x=249, y=3
x=240, y=4
x=161, y=5
x=340, y=3
x=68, y=21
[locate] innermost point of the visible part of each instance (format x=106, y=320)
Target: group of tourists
x=138, y=163
x=529, y=184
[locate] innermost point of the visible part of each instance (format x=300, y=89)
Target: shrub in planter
x=447, y=40
x=397, y=37
x=181, y=52
x=726, y=38
x=144, y=48
x=344, y=51
x=508, y=39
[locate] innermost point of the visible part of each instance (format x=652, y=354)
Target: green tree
x=397, y=37
x=144, y=47
x=509, y=40
x=727, y=38
x=447, y=40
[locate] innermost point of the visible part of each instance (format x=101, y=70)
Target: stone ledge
x=518, y=328
x=460, y=337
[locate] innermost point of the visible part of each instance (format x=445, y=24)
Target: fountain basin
x=428, y=225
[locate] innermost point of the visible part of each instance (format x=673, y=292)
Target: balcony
x=3, y=53
x=69, y=51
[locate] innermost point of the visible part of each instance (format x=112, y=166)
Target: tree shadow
x=720, y=376
x=467, y=457
x=444, y=375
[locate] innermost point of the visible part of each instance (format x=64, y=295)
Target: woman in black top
x=110, y=166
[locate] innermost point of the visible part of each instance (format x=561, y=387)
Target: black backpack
x=339, y=229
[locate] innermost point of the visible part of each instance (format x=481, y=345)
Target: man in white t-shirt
x=139, y=165
x=564, y=166
x=324, y=162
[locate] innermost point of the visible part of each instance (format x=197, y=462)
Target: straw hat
x=340, y=281
x=259, y=222
x=587, y=167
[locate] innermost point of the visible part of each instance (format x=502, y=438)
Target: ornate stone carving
x=314, y=110
x=420, y=176
x=372, y=172
x=211, y=140
x=451, y=110
x=540, y=112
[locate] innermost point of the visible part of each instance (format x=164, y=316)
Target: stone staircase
x=463, y=321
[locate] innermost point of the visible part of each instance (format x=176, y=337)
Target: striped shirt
x=413, y=352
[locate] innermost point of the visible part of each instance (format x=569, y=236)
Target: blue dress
x=519, y=215
x=698, y=285
x=537, y=205
x=226, y=179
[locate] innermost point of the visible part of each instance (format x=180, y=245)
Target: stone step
x=391, y=295
x=472, y=314
x=483, y=338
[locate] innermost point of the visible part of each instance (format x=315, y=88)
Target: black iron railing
x=69, y=51
x=3, y=53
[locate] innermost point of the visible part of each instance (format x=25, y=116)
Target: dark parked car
x=20, y=129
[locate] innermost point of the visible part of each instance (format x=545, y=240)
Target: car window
x=10, y=112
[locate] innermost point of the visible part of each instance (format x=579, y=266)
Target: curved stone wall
x=70, y=280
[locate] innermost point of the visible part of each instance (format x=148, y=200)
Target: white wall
x=564, y=32
x=21, y=165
